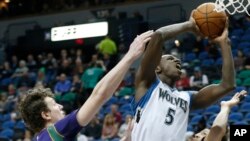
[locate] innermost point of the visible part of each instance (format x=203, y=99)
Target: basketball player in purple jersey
x=46, y=118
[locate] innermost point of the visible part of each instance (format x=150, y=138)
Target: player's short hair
x=31, y=107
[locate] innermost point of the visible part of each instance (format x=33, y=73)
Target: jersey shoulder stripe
x=143, y=101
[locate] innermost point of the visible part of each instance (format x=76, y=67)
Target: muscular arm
x=109, y=83
x=146, y=73
x=212, y=93
x=218, y=129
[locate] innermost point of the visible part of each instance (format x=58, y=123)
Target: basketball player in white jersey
x=161, y=111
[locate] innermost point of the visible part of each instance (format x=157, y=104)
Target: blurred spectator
x=14, y=62
x=77, y=88
x=94, y=59
x=31, y=63
x=5, y=75
x=51, y=67
x=130, y=78
x=76, y=85
x=109, y=61
x=198, y=80
x=20, y=71
x=124, y=126
x=3, y=100
x=116, y=114
x=107, y=46
x=6, y=71
x=92, y=75
x=50, y=62
x=12, y=90
x=63, y=85
x=10, y=100
x=239, y=60
x=183, y=82
x=39, y=85
x=26, y=80
x=110, y=128
x=78, y=68
x=64, y=56
x=72, y=53
x=79, y=55
x=41, y=76
x=94, y=129
x=40, y=60
x=65, y=68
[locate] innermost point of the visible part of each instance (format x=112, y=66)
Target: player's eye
x=170, y=58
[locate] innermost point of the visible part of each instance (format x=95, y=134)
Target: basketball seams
x=210, y=22
x=213, y=24
x=207, y=22
x=198, y=10
x=206, y=15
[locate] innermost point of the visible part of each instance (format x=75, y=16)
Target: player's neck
x=48, y=124
x=168, y=81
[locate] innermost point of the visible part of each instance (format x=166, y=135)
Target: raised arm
x=109, y=83
x=145, y=75
x=212, y=93
x=219, y=126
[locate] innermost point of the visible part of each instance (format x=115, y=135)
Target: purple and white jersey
x=67, y=128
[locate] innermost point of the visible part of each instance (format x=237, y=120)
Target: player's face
x=56, y=110
x=170, y=66
x=200, y=136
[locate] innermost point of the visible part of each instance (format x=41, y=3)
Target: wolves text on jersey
x=183, y=104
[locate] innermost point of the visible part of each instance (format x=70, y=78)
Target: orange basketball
x=210, y=22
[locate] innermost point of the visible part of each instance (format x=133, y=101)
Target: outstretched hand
x=137, y=47
x=234, y=100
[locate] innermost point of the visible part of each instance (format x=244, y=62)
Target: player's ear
x=46, y=115
x=158, y=69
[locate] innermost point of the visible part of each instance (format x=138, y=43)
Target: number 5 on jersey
x=170, y=116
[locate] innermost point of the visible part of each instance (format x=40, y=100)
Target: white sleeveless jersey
x=161, y=114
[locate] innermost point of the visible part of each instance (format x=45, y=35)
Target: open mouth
x=178, y=66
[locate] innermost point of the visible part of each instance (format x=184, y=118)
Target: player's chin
x=63, y=113
x=178, y=73
x=176, y=77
